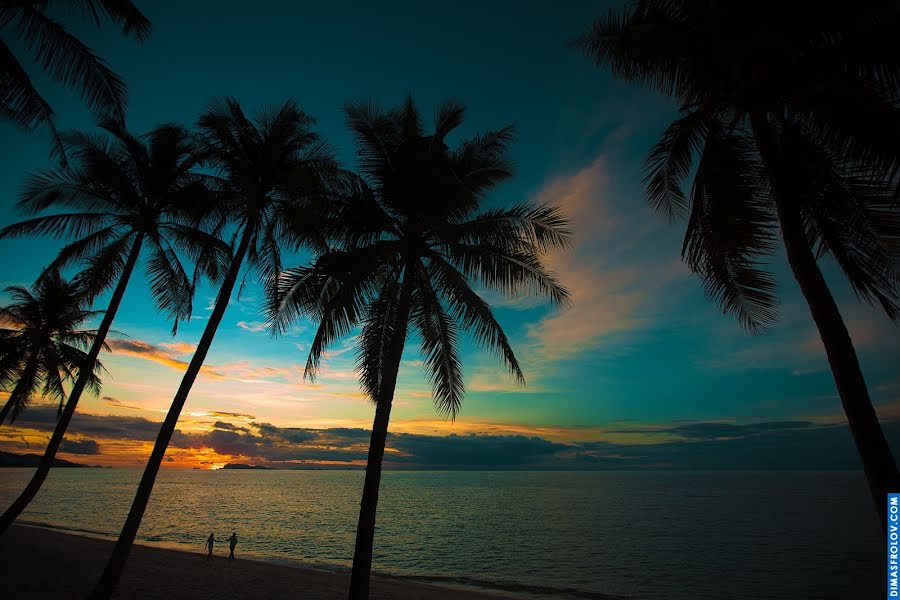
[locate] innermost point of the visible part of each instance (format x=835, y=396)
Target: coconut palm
x=412, y=241
x=788, y=115
x=41, y=342
x=62, y=56
x=272, y=168
x=123, y=196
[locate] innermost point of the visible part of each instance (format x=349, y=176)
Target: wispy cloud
x=109, y=400
x=253, y=326
x=608, y=298
x=158, y=354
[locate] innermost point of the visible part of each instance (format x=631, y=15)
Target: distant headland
x=8, y=459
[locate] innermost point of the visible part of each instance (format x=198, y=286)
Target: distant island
x=8, y=459
x=240, y=466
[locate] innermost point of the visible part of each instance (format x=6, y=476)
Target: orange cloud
x=179, y=347
x=158, y=354
x=606, y=298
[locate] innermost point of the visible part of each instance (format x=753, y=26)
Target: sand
x=45, y=564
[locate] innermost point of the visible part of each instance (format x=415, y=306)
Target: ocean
x=642, y=535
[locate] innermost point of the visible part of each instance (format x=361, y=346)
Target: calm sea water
x=649, y=535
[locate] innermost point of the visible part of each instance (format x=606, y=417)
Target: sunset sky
x=642, y=371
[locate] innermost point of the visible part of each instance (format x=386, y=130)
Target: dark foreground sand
x=42, y=564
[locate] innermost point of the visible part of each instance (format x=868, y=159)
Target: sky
x=641, y=372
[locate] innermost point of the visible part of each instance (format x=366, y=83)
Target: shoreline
x=75, y=560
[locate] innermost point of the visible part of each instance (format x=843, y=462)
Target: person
x=209, y=544
x=232, y=542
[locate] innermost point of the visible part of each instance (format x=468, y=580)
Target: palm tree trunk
x=26, y=380
x=6, y=408
x=84, y=375
x=116, y=564
x=365, y=528
x=874, y=451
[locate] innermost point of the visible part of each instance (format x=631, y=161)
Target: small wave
x=68, y=528
x=537, y=591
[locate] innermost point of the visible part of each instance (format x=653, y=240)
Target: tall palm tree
x=789, y=110
x=62, y=56
x=272, y=168
x=125, y=195
x=412, y=240
x=41, y=342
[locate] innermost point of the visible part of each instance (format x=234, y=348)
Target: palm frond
x=853, y=120
x=19, y=100
x=472, y=312
x=103, y=268
x=72, y=63
x=121, y=12
x=82, y=248
x=59, y=225
x=376, y=335
x=730, y=227
x=172, y=289
x=69, y=188
x=544, y=227
x=851, y=215
x=448, y=117
x=510, y=272
x=669, y=163
x=440, y=341
x=481, y=162
x=377, y=135
x=645, y=42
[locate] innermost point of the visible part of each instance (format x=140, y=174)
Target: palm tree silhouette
x=793, y=125
x=64, y=57
x=412, y=240
x=125, y=195
x=273, y=168
x=41, y=347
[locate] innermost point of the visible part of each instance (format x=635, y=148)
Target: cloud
x=229, y=426
x=179, y=347
x=694, y=445
x=43, y=418
x=253, y=326
x=87, y=447
x=159, y=354
x=119, y=404
x=291, y=435
x=242, y=371
x=608, y=299
x=216, y=413
x=483, y=451
x=718, y=430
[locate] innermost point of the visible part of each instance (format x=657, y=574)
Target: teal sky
x=641, y=345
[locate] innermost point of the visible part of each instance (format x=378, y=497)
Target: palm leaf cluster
x=42, y=342
x=411, y=242
x=825, y=80
x=272, y=172
x=38, y=33
x=125, y=192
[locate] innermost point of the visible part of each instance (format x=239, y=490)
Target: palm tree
x=126, y=195
x=63, y=56
x=41, y=345
x=412, y=241
x=793, y=125
x=272, y=168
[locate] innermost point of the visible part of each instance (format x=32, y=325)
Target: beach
x=44, y=564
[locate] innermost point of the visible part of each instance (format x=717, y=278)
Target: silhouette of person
x=232, y=542
x=209, y=544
